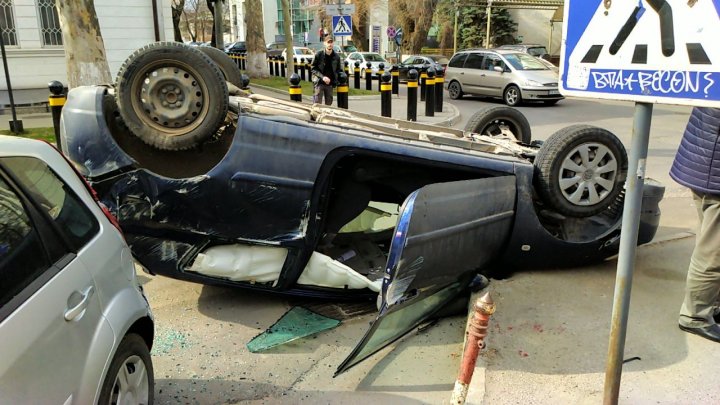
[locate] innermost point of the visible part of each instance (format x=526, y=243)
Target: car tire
x=187, y=118
x=130, y=374
x=455, y=91
x=512, y=95
x=493, y=121
x=580, y=170
x=227, y=66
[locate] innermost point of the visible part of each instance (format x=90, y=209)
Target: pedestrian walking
x=325, y=67
x=697, y=166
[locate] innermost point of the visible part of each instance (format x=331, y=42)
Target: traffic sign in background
x=342, y=25
x=648, y=51
x=390, y=31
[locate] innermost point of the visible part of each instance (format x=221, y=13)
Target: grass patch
x=281, y=83
x=44, y=133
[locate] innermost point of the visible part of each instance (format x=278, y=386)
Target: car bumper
x=541, y=94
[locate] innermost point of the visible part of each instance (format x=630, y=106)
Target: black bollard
x=430, y=93
x=56, y=100
x=439, y=84
x=295, y=89
x=271, y=63
x=423, y=84
x=282, y=67
x=245, y=79
x=346, y=69
x=342, y=90
x=302, y=69
x=296, y=67
x=368, y=76
x=357, y=74
x=243, y=61
x=385, y=95
x=412, y=89
x=395, y=72
x=381, y=71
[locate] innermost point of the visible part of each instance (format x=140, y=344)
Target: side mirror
x=498, y=69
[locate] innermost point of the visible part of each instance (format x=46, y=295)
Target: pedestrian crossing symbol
x=342, y=25
x=642, y=50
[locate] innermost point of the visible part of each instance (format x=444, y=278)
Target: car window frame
x=462, y=57
x=481, y=55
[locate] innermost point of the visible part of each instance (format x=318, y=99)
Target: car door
x=49, y=309
x=493, y=82
x=444, y=233
x=472, y=75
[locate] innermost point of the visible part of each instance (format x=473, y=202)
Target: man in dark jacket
x=697, y=166
x=325, y=67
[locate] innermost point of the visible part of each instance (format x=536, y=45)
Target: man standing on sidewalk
x=697, y=166
x=325, y=67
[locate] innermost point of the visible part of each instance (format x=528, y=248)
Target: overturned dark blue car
x=217, y=186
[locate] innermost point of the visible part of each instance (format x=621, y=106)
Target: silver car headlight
x=533, y=83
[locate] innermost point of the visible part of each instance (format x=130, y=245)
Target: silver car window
x=474, y=61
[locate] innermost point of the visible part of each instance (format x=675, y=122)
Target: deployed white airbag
x=262, y=264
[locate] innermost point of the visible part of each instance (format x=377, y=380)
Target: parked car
x=309, y=200
x=75, y=325
x=319, y=46
x=274, y=48
x=421, y=63
x=300, y=52
x=235, y=47
x=367, y=57
x=513, y=76
x=538, y=51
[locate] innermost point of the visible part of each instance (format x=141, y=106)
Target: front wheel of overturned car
x=580, y=170
x=455, y=91
x=500, y=121
x=130, y=377
x=171, y=96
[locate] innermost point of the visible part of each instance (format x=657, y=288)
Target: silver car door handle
x=77, y=310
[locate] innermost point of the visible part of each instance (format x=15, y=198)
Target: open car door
x=445, y=232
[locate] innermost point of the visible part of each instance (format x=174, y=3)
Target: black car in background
x=236, y=47
x=422, y=63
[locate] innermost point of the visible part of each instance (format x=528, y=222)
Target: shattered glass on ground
x=297, y=323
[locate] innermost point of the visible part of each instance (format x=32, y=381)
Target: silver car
x=374, y=59
x=513, y=76
x=75, y=325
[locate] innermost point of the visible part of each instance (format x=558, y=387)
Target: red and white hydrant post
x=477, y=330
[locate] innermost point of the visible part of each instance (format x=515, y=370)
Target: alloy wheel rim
x=131, y=384
x=587, y=174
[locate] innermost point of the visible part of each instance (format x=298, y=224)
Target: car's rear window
x=458, y=60
x=373, y=57
x=56, y=198
x=537, y=51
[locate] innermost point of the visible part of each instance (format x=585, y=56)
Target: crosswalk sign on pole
x=655, y=51
x=342, y=25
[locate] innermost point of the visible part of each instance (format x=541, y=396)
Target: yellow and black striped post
x=439, y=84
x=412, y=89
x=423, y=79
x=430, y=93
x=357, y=75
x=342, y=90
x=56, y=100
x=346, y=68
x=295, y=89
x=368, y=76
x=282, y=67
x=385, y=95
x=243, y=61
x=395, y=72
x=381, y=71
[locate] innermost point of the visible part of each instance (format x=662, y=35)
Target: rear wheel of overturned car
x=512, y=95
x=455, y=91
x=580, y=170
x=130, y=377
x=171, y=96
x=227, y=66
x=500, y=121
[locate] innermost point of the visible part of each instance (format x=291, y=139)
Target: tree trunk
x=211, y=7
x=287, y=27
x=255, y=41
x=177, y=10
x=360, y=25
x=84, y=48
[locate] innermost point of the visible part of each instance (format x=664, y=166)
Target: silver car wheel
x=512, y=96
x=131, y=383
x=587, y=174
x=454, y=90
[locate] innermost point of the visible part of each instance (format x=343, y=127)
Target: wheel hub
x=171, y=97
x=587, y=174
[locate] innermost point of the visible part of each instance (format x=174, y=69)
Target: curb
x=448, y=122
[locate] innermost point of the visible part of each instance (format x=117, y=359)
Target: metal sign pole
x=628, y=241
x=15, y=125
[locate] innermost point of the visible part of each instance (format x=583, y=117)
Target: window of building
x=7, y=22
x=49, y=23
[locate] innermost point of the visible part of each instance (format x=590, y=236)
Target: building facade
x=33, y=40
